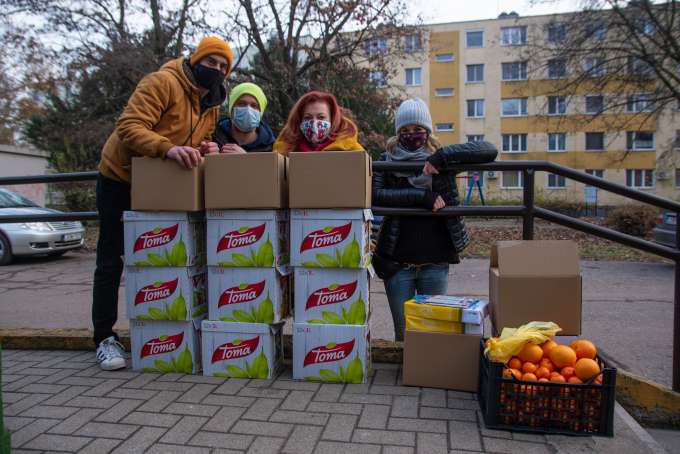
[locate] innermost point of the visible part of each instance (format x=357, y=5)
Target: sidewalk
x=62, y=401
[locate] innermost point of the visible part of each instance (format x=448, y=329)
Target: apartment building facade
x=479, y=86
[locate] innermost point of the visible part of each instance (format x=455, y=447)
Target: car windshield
x=9, y=199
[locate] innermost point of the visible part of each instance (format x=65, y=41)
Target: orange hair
x=340, y=125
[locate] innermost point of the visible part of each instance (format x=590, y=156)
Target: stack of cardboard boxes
x=528, y=281
x=247, y=247
x=164, y=268
x=330, y=227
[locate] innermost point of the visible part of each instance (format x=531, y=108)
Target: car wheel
x=5, y=251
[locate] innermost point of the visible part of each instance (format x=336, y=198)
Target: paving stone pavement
x=60, y=401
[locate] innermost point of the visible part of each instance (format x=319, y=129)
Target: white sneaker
x=110, y=354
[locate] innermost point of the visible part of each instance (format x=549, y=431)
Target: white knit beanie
x=413, y=111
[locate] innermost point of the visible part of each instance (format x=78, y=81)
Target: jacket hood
x=181, y=70
x=265, y=135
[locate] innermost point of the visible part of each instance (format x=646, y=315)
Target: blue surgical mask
x=246, y=118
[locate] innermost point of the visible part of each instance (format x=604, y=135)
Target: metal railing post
x=528, y=218
x=676, y=311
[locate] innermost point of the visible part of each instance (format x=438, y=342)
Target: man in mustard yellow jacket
x=171, y=115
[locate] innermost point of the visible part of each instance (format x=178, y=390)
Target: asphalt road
x=627, y=307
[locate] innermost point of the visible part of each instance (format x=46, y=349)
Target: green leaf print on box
x=350, y=257
x=354, y=373
x=262, y=314
x=263, y=258
x=259, y=368
x=176, y=257
x=183, y=364
x=355, y=316
x=177, y=310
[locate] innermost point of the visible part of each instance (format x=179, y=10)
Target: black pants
x=113, y=198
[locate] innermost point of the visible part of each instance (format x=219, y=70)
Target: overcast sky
x=437, y=11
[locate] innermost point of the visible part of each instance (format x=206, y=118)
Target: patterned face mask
x=413, y=141
x=315, y=131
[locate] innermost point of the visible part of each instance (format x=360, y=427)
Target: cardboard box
x=241, y=350
x=248, y=238
x=166, y=293
x=330, y=238
x=331, y=353
x=164, y=185
x=332, y=179
x=249, y=295
x=431, y=325
x=441, y=360
x=164, y=239
x=535, y=281
x=334, y=296
x=251, y=180
x=160, y=346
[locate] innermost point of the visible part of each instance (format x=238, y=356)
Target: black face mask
x=208, y=77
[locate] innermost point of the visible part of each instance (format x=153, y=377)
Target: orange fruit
x=531, y=353
x=545, y=362
x=529, y=368
x=517, y=374
x=507, y=373
x=567, y=372
x=598, y=380
x=563, y=356
x=542, y=372
x=586, y=368
x=547, y=347
x=575, y=381
x=543, y=380
x=584, y=349
x=515, y=363
x=558, y=379
x=529, y=377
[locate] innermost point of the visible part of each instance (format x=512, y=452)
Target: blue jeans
x=421, y=279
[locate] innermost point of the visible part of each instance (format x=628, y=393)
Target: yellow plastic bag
x=512, y=340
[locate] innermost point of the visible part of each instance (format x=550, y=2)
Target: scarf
x=417, y=180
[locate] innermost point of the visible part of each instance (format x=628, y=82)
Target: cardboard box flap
x=259, y=215
x=535, y=258
x=235, y=327
x=162, y=216
x=343, y=214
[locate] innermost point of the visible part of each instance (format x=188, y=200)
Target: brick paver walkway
x=62, y=401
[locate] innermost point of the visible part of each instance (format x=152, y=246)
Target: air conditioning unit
x=491, y=175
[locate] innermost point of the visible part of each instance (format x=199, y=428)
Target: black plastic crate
x=549, y=408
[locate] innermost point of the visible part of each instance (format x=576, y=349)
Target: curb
x=650, y=403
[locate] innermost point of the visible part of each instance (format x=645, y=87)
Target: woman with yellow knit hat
x=245, y=131
x=171, y=115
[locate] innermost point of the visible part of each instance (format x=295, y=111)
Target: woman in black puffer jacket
x=413, y=253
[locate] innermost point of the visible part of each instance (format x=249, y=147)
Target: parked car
x=34, y=238
x=664, y=232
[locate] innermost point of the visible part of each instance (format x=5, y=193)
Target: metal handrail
x=528, y=211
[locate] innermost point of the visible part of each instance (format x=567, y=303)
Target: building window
x=444, y=127
x=512, y=179
x=640, y=140
x=557, y=68
x=639, y=102
x=378, y=78
x=594, y=66
x=414, y=77
x=474, y=38
x=443, y=58
x=599, y=173
x=638, y=67
x=557, y=33
x=516, y=70
x=594, y=104
x=640, y=178
x=594, y=141
x=556, y=181
x=475, y=138
x=677, y=178
x=513, y=36
x=514, y=143
x=412, y=43
x=376, y=46
x=475, y=108
x=443, y=92
x=557, y=105
x=514, y=107
x=557, y=142
x=596, y=30
x=475, y=73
